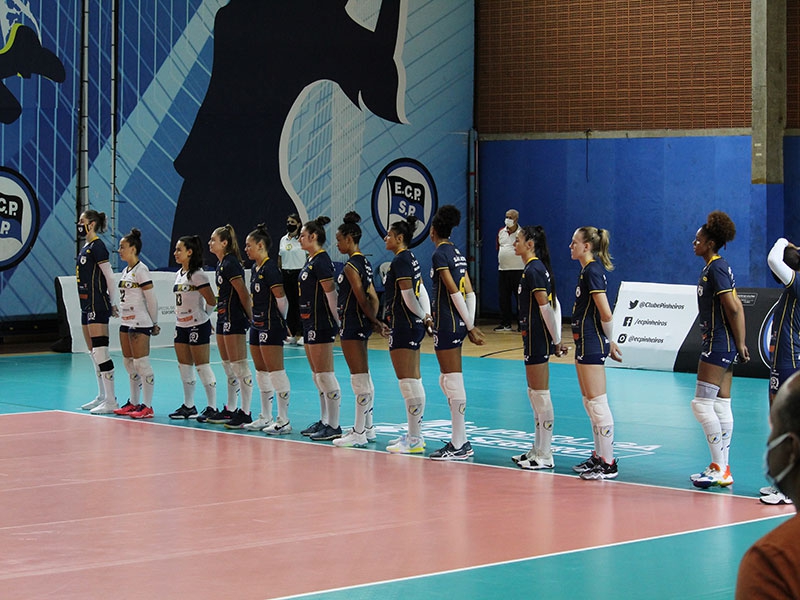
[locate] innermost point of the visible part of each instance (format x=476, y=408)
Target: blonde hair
x=227, y=234
x=599, y=240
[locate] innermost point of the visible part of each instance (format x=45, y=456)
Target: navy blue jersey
x=586, y=325
x=229, y=306
x=535, y=278
x=444, y=312
x=92, y=287
x=716, y=279
x=786, y=328
x=404, y=267
x=314, y=309
x=350, y=313
x=263, y=279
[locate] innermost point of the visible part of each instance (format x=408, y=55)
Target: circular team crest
x=403, y=189
x=19, y=218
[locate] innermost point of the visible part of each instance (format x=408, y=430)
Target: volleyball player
x=408, y=314
x=233, y=319
x=540, y=326
x=722, y=325
x=270, y=307
x=453, y=313
x=194, y=301
x=139, y=320
x=97, y=296
x=358, y=306
x=592, y=328
x=784, y=262
x=318, y=313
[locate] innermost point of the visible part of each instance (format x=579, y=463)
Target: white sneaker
x=92, y=403
x=407, y=444
x=768, y=490
x=290, y=341
x=258, y=424
x=399, y=439
x=352, y=440
x=370, y=433
x=107, y=407
x=517, y=458
x=299, y=341
x=278, y=427
x=537, y=462
x=706, y=472
x=776, y=498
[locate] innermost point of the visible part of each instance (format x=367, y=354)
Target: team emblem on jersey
x=404, y=188
x=19, y=218
x=312, y=335
x=194, y=337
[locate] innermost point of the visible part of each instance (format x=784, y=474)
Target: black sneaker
x=313, y=428
x=239, y=419
x=451, y=453
x=602, y=470
x=184, y=412
x=222, y=417
x=326, y=433
x=588, y=464
x=207, y=413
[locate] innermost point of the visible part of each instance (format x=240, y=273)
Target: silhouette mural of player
x=266, y=53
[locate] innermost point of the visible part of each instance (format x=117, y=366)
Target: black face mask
x=81, y=230
x=291, y=228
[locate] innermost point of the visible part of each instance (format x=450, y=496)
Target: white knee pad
x=187, y=374
x=599, y=411
x=328, y=384
x=242, y=372
x=360, y=382
x=280, y=380
x=206, y=374
x=704, y=389
x=722, y=407
x=227, y=366
x=144, y=368
x=127, y=362
x=452, y=385
x=411, y=388
x=542, y=404
x=100, y=354
x=703, y=409
x=264, y=381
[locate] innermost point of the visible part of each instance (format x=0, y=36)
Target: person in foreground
x=770, y=569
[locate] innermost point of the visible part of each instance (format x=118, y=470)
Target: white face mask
x=509, y=222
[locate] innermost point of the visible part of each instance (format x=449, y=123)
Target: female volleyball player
x=408, y=313
x=358, y=306
x=453, y=312
x=592, y=330
x=194, y=301
x=722, y=326
x=318, y=312
x=97, y=295
x=540, y=326
x=233, y=318
x=270, y=307
x=139, y=320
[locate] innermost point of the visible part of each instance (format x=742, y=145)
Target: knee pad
x=328, y=384
x=452, y=385
x=206, y=374
x=280, y=381
x=704, y=389
x=703, y=409
x=722, y=407
x=128, y=363
x=144, y=368
x=242, y=372
x=599, y=411
x=100, y=352
x=99, y=341
x=407, y=387
x=187, y=373
x=227, y=366
x=360, y=383
x=542, y=405
x=264, y=381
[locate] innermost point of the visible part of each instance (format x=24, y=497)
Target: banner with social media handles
x=227, y=112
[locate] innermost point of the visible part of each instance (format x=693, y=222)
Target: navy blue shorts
x=535, y=349
x=90, y=317
x=326, y=335
x=447, y=340
x=143, y=330
x=235, y=326
x=357, y=333
x=196, y=335
x=777, y=377
x=408, y=339
x=721, y=359
x=267, y=337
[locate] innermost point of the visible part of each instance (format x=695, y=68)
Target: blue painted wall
x=651, y=194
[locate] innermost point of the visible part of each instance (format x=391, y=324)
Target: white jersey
x=190, y=306
x=293, y=257
x=133, y=306
x=507, y=259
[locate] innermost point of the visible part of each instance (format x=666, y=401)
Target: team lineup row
x=350, y=310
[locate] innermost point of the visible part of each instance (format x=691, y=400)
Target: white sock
x=602, y=426
x=323, y=406
x=189, y=383
x=266, y=392
x=280, y=381
x=414, y=396
x=245, y=377
x=368, y=419
x=452, y=385
x=209, y=382
x=145, y=371
x=134, y=381
x=722, y=407
x=360, y=382
x=333, y=396
x=233, y=385
x=544, y=421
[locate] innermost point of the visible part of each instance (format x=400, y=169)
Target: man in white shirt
x=510, y=270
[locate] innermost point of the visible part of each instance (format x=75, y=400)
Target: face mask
x=775, y=480
x=509, y=222
x=81, y=230
x=290, y=227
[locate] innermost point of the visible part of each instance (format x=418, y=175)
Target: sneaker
x=537, y=462
x=776, y=498
x=397, y=440
x=451, y=453
x=290, y=341
x=588, y=464
x=707, y=471
x=106, y=407
x=142, y=412
x=313, y=428
x=184, y=412
x=223, y=416
x=517, y=458
x=601, y=470
x=208, y=412
x=714, y=477
x=92, y=403
x=352, y=439
x=370, y=433
x=300, y=341
x=258, y=424
x=407, y=444
x=278, y=427
x=326, y=433
x=502, y=328
x=768, y=490
x=126, y=408
x=238, y=420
